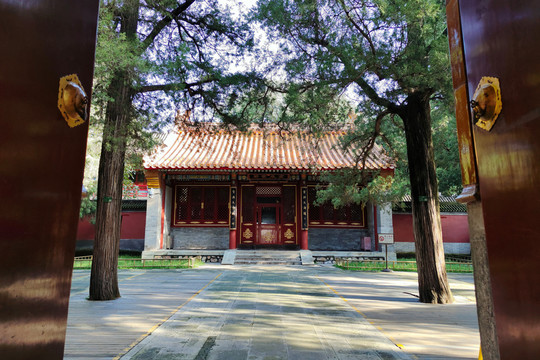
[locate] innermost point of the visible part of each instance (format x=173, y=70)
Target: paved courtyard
x=270, y=312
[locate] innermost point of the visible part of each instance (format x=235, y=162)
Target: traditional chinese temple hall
x=213, y=190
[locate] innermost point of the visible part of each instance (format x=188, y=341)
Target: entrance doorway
x=268, y=215
x=268, y=224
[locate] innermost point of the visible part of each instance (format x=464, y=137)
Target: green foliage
x=138, y=263
x=155, y=60
x=179, y=57
x=370, y=265
x=114, y=52
x=88, y=205
x=445, y=146
x=366, y=58
x=396, y=47
x=343, y=189
x=446, y=150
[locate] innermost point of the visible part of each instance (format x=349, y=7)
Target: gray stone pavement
x=271, y=312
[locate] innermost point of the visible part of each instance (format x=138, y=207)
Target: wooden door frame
x=277, y=225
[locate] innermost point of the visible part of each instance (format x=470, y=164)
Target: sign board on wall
x=386, y=238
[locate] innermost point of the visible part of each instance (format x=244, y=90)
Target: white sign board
x=386, y=238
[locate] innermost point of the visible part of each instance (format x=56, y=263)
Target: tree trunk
x=433, y=284
x=104, y=275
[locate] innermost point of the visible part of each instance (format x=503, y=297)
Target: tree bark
x=104, y=274
x=433, y=284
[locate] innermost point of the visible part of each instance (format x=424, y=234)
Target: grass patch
x=410, y=256
x=122, y=253
x=401, y=265
x=135, y=262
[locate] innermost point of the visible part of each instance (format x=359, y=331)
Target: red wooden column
x=232, y=222
x=232, y=239
x=304, y=231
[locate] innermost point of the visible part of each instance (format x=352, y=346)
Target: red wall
x=133, y=225
x=455, y=228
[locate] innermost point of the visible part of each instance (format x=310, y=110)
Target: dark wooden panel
x=41, y=170
x=500, y=40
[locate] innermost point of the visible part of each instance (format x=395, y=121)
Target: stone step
x=284, y=254
x=266, y=262
x=267, y=257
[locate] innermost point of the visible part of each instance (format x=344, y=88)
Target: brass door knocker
x=486, y=103
x=72, y=100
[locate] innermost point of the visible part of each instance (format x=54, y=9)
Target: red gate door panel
x=248, y=233
x=501, y=40
x=268, y=235
x=41, y=171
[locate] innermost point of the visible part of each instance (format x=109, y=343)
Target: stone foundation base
x=449, y=248
x=210, y=256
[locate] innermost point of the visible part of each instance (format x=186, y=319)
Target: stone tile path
x=270, y=312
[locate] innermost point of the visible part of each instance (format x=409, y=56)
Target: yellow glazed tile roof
x=258, y=150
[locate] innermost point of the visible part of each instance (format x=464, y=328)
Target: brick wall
x=211, y=238
x=336, y=239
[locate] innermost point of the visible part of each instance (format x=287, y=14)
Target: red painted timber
x=41, y=171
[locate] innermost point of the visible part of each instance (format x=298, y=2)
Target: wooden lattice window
x=326, y=215
x=196, y=202
x=205, y=205
x=222, y=211
x=289, y=204
x=209, y=204
x=357, y=213
x=248, y=200
x=182, y=203
x=268, y=190
x=314, y=210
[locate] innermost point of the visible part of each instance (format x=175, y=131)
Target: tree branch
x=172, y=86
x=193, y=39
x=160, y=25
x=373, y=96
x=366, y=150
x=369, y=141
x=359, y=80
x=364, y=34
